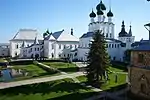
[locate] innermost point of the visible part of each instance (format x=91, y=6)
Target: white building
x=63, y=44
x=23, y=35
x=53, y=45
x=4, y=49
x=115, y=48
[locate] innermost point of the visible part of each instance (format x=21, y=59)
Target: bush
x=26, y=62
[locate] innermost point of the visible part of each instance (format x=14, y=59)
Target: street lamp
x=147, y=26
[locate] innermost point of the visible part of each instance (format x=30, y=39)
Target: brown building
x=139, y=70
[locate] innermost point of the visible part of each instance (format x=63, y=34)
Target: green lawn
x=111, y=83
x=121, y=79
x=66, y=67
x=57, y=90
x=2, y=60
x=115, y=69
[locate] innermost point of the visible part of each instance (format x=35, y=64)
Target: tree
x=98, y=59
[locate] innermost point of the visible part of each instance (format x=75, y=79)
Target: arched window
x=52, y=55
x=75, y=46
x=109, y=45
x=112, y=45
x=64, y=46
x=17, y=46
x=60, y=46
x=110, y=35
x=115, y=45
x=118, y=45
x=70, y=46
x=16, y=54
x=107, y=35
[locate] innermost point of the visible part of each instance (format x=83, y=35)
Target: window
x=115, y=45
x=38, y=49
x=109, y=45
x=59, y=55
x=64, y=46
x=52, y=46
x=68, y=55
x=70, y=46
x=60, y=46
x=75, y=46
x=106, y=35
x=35, y=49
x=112, y=45
x=110, y=35
x=118, y=45
x=140, y=58
x=17, y=46
x=52, y=55
x=16, y=54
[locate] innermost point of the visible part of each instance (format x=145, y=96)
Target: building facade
x=4, y=49
x=23, y=35
x=139, y=71
x=115, y=47
x=64, y=44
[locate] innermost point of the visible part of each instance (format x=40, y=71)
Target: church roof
x=86, y=35
x=101, y=6
x=123, y=33
x=143, y=47
x=27, y=34
x=92, y=14
x=90, y=34
x=64, y=36
x=50, y=37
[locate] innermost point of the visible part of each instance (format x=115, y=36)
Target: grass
x=115, y=69
x=64, y=89
x=111, y=83
x=2, y=60
x=121, y=79
x=66, y=67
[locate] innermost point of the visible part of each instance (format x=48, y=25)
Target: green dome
x=101, y=6
x=100, y=12
x=92, y=14
x=110, y=14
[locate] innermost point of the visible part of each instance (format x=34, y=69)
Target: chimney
x=71, y=31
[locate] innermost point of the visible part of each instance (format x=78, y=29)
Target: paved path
x=80, y=64
x=39, y=80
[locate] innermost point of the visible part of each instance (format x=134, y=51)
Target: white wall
x=4, y=51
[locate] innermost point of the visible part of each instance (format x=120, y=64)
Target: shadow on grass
x=71, y=69
x=74, y=96
x=44, y=88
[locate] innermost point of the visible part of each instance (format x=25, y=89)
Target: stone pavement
x=80, y=64
x=39, y=80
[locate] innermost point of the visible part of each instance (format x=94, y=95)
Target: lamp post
x=147, y=26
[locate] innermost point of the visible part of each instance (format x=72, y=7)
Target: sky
x=56, y=15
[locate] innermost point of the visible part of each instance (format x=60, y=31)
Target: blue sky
x=56, y=15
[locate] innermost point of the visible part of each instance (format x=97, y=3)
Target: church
x=27, y=43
